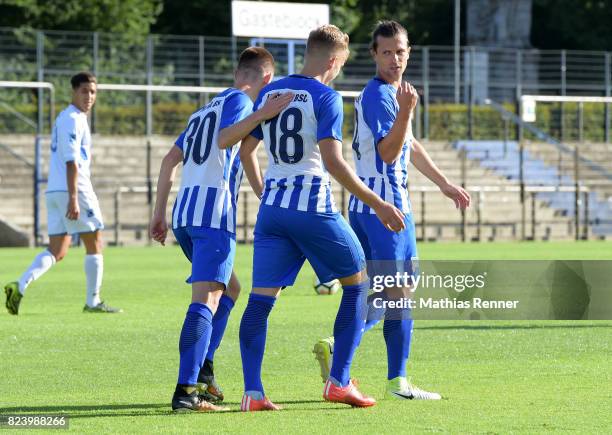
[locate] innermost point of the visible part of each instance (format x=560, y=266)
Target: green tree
x=195, y=17
x=428, y=22
x=572, y=24
x=214, y=18
x=129, y=17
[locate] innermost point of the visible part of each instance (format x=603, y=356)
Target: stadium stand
x=492, y=182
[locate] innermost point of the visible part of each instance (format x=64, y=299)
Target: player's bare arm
x=426, y=166
x=272, y=107
x=158, y=228
x=250, y=164
x=331, y=152
x=390, y=147
x=72, y=173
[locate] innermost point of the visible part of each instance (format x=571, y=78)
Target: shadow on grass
x=518, y=326
x=79, y=408
x=146, y=409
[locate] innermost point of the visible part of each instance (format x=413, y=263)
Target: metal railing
x=528, y=228
x=499, y=74
x=38, y=127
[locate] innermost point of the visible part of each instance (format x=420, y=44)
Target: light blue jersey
x=211, y=176
x=296, y=178
x=375, y=112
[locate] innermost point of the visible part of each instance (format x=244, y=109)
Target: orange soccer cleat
x=250, y=404
x=349, y=395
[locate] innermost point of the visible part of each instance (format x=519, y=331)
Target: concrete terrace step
x=121, y=161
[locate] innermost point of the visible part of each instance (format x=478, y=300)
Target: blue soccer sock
x=397, y=331
x=253, y=330
x=219, y=323
x=348, y=330
x=193, y=343
x=375, y=315
x=369, y=324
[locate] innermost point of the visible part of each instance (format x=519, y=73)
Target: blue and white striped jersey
x=211, y=177
x=375, y=112
x=296, y=178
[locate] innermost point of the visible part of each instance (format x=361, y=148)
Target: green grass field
x=116, y=373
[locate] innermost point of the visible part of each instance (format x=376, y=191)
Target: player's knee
x=233, y=290
x=59, y=255
x=207, y=293
x=94, y=248
x=354, y=279
x=213, y=301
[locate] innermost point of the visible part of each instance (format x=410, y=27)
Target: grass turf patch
x=116, y=373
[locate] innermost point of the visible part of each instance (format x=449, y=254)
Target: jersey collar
x=300, y=76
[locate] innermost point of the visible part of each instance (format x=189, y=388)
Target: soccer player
x=298, y=220
x=72, y=205
x=382, y=144
x=204, y=218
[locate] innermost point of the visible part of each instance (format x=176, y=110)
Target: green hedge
x=446, y=121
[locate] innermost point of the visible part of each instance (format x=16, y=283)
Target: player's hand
x=391, y=217
x=275, y=104
x=458, y=194
x=73, y=210
x=158, y=229
x=407, y=96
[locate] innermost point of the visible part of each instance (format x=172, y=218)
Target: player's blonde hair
x=327, y=40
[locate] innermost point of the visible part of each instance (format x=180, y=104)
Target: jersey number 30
x=195, y=136
x=278, y=146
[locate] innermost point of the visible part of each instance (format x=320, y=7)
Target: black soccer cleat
x=191, y=402
x=207, y=386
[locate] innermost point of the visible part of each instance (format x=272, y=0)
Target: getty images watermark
x=495, y=290
x=457, y=283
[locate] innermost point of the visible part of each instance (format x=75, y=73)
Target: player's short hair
x=255, y=62
x=327, y=39
x=387, y=29
x=82, y=77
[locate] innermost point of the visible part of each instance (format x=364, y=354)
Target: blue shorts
x=387, y=252
x=284, y=238
x=211, y=252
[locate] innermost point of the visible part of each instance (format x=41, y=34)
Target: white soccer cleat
x=400, y=388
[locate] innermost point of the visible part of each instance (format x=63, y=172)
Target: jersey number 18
x=279, y=146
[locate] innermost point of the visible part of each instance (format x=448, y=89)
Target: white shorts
x=90, y=216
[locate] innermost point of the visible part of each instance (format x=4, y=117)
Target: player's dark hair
x=387, y=29
x=82, y=77
x=255, y=61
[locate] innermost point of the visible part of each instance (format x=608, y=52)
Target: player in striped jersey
x=382, y=145
x=298, y=220
x=204, y=218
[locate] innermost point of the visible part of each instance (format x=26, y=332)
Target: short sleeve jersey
x=70, y=142
x=296, y=177
x=376, y=109
x=210, y=180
